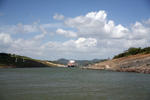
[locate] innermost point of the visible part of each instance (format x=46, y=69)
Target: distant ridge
x=79, y=62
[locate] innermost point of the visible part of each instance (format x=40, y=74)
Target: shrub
x=133, y=51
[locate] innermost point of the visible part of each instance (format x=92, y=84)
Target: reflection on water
x=72, y=84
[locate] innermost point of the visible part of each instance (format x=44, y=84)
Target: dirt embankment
x=136, y=63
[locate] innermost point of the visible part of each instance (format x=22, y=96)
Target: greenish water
x=72, y=84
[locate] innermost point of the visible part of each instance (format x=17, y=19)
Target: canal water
x=72, y=84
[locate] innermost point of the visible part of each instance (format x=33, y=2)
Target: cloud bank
x=84, y=37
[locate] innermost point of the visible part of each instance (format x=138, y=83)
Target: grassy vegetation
x=133, y=51
x=22, y=61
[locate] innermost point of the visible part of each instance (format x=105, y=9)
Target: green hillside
x=17, y=61
x=133, y=51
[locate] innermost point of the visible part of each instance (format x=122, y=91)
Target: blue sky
x=53, y=24
x=27, y=11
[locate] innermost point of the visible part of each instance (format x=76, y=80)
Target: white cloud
x=136, y=43
x=43, y=30
x=139, y=31
x=96, y=23
x=101, y=15
x=66, y=33
x=48, y=50
x=147, y=22
x=89, y=36
x=19, y=28
x=81, y=43
x=5, y=38
x=29, y=28
x=5, y=42
x=58, y=16
x=86, y=42
x=39, y=36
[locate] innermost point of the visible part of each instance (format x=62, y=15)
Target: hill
x=79, y=62
x=133, y=62
x=17, y=61
x=133, y=51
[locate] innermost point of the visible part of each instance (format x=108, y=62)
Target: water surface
x=72, y=84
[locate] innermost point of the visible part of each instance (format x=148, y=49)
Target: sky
x=73, y=29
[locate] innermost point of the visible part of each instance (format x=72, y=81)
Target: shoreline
x=144, y=70
x=134, y=70
x=139, y=63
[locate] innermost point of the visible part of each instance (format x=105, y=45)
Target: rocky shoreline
x=136, y=63
x=137, y=70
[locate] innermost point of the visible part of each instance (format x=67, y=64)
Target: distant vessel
x=71, y=63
